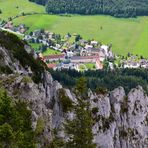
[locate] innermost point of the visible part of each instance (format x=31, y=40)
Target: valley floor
x=126, y=35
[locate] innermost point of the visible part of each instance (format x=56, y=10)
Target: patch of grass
x=35, y=46
x=37, y=21
x=51, y=52
x=27, y=79
x=82, y=67
x=40, y=126
x=72, y=39
x=90, y=66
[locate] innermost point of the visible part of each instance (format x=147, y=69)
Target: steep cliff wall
x=121, y=121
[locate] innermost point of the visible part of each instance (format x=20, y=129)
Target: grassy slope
x=142, y=44
x=122, y=33
x=9, y=9
x=38, y=21
x=126, y=35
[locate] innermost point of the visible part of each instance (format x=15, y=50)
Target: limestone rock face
x=7, y=59
x=42, y=98
x=121, y=121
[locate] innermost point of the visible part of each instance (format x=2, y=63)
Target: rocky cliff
x=121, y=121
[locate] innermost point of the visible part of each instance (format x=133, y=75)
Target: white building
x=94, y=43
x=104, y=48
x=88, y=46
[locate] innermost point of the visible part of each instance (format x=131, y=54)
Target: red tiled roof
x=84, y=57
x=99, y=64
x=51, y=65
x=54, y=56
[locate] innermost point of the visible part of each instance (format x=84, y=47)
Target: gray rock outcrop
x=121, y=120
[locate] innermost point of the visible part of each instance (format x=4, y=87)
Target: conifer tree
x=79, y=130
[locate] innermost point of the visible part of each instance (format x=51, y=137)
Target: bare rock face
x=121, y=121
x=9, y=61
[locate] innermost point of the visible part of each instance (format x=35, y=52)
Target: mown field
x=126, y=35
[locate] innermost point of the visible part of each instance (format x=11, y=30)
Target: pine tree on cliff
x=79, y=130
x=15, y=123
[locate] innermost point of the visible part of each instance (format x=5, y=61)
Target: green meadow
x=12, y=8
x=125, y=35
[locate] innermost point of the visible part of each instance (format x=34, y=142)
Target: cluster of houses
x=41, y=36
x=21, y=29
x=134, y=63
x=71, y=55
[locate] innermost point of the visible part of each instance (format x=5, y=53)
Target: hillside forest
x=117, y=8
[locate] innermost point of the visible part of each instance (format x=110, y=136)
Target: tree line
x=40, y=2
x=105, y=79
x=117, y=8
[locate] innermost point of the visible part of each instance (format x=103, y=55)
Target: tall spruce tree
x=79, y=130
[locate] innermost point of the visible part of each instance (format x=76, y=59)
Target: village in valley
x=73, y=52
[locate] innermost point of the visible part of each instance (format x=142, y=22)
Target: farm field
x=125, y=35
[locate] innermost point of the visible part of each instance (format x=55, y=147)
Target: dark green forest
x=103, y=80
x=41, y=2
x=117, y=8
